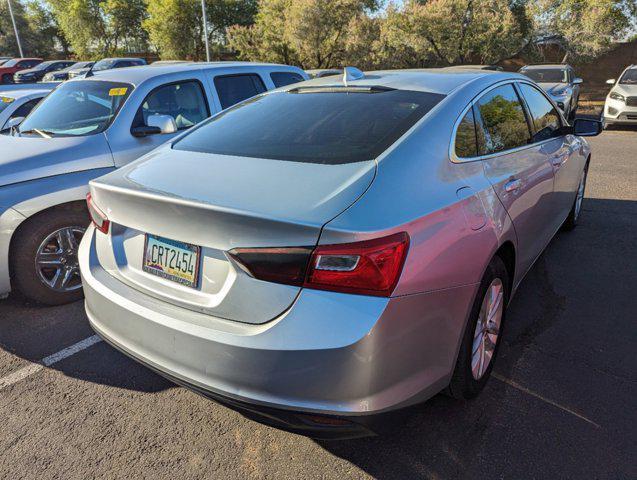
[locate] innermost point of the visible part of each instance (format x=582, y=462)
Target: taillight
x=98, y=217
x=370, y=267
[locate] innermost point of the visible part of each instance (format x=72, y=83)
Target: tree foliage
x=37, y=28
x=175, y=27
x=99, y=28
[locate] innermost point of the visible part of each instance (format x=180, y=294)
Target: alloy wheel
x=485, y=337
x=56, y=259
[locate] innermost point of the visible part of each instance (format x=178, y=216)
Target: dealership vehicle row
x=248, y=224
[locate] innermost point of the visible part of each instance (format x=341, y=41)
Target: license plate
x=172, y=260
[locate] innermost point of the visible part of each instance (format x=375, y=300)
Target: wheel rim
x=485, y=337
x=580, y=195
x=56, y=259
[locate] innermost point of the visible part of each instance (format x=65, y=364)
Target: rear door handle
x=513, y=185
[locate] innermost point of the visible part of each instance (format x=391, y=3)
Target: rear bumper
x=345, y=356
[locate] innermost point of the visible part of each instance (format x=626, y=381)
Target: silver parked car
x=84, y=129
x=17, y=104
x=621, y=102
x=336, y=249
x=560, y=82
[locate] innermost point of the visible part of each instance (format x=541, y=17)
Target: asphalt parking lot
x=562, y=403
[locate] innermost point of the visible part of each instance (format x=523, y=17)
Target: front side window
x=233, y=89
x=546, y=120
x=24, y=109
x=466, y=144
x=184, y=101
x=503, y=123
x=546, y=75
x=77, y=109
x=281, y=79
x=313, y=125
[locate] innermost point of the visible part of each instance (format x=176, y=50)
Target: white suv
x=621, y=102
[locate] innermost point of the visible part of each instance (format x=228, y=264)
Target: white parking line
x=517, y=386
x=24, y=372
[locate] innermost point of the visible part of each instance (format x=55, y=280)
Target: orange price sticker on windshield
x=117, y=92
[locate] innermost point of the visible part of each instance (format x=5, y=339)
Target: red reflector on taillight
x=98, y=217
x=371, y=267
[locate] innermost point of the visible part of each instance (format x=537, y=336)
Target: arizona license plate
x=176, y=261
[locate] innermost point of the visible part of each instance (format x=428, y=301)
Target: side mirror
x=586, y=127
x=610, y=81
x=578, y=81
x=156, y=125
x=13, y=122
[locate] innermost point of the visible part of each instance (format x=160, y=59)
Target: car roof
x=137, y=75
x=546, y=65
x=24, y=92
x=435, y=80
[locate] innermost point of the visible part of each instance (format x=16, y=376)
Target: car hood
x=29, y=158
x=625, y=89
x=550, y=86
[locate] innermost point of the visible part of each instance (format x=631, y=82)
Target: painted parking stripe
x=517, y=386
x=29, y=370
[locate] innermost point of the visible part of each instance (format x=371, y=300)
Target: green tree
x=34, y=25
x=98, y=28
x=175, y=27
x=309, y=33
x=586, y=28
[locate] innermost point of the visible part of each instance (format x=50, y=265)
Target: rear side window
x=281, y=79
x=546, y=120
x=184, y=101
x=233, y=89
x=466, y=144
x=328, y=126
x=503, y=124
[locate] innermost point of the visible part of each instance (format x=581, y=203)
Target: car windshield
x=42, y=66
x=629, y=77
x=11, y=63
x=5, y=102
x=546, y=75
x=88, y=107
x=313, y=125
x=103, y=65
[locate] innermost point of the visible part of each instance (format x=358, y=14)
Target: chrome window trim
x=452, y=146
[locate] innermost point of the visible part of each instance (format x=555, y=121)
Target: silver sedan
x=336, y=249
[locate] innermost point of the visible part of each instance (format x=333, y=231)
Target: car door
x=518, y=170
x=185, y=101
x=561, y=150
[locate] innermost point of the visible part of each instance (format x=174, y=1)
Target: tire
x=61, y=228
x=576, y=210
x=464, y=384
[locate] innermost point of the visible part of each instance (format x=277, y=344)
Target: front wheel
x=44, y=265
x=483, y=333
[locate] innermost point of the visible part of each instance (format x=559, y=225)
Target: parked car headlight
x=617, y=96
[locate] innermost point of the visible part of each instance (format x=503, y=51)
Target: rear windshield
x=546, y=75
x=329, y=126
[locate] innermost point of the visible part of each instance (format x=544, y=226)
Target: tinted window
x=504, y=124
x=330, y=126
x=89, y=107
x=466, y=145
x=185, y=102
x=281, y=79
x=233, y=89
x=546, y=120
x=24, y=109
x=546, y=75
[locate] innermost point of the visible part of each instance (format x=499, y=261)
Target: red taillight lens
x=371, y=267
x=98, y=217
